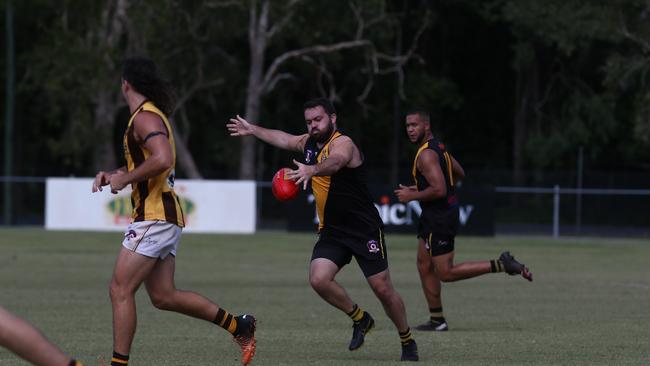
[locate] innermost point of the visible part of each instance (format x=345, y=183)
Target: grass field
x=589, y=304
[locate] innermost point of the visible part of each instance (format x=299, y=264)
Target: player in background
x=435, y=173
x=149, y=248
x=23, y=339
x=350, y=225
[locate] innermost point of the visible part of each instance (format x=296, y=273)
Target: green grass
x=589, y=304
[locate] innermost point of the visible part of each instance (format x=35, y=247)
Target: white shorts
x=155, y=239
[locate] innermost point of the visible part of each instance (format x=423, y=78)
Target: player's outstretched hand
x=302, y=174
x=101, y=179
x=239, y=127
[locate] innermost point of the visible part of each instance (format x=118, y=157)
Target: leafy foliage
x=582, y=66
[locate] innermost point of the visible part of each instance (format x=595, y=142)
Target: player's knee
x=384, y=291
x=446, y=275
x=423, y=264
x=318, y=282
x=162, y=302
x=117, y=292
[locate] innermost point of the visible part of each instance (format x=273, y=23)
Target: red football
x=284, y=189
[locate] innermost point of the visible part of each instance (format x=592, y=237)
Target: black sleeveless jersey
x=343, y=202
x=440, y=215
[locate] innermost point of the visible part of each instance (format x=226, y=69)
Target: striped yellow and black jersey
x=343, y=202
x=153, y=198
x=440, y=215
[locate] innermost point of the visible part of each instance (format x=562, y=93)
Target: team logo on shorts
x=131, y=234
x=372, y=246
x=442, y=243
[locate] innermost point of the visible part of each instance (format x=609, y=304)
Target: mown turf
x=589, y=304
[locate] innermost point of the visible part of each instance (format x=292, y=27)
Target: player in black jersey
x=350, y=225
x=435, y=173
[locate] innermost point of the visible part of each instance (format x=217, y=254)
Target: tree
x=558, y=104
x=263, y=79
x=93, y=41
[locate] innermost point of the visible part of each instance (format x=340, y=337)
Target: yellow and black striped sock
x=226, y=321
x=496, y=266
x=436, y=315
x=405, y=337
x=119, y=359
x=356, y=314
x=75, y=363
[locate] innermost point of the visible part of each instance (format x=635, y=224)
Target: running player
x=350, y=225
x=149, y=248
x=435, y=173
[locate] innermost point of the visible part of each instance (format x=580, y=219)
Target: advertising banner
x=209, y=206
x=476, y=211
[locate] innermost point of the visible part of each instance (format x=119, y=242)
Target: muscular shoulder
x=343, y=145
x=146, y=122
x=426, y=158
x=346, y=147
x=342, y=140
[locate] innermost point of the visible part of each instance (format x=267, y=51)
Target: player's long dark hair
x=143, y=76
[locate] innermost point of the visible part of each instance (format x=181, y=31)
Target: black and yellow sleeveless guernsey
x=349, y=224
x=439, y=218
x=154, y=198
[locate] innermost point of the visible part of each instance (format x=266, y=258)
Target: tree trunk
x=257, y=44
x=247, y=163
x=394, y=140
x=397, y=118
x=104, y=152
x=109, y=31
x=519, y=131
x=526, y=98
x=184, y=159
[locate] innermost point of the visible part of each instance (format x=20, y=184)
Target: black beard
x=326, y=134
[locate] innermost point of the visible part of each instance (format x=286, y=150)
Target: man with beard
x=349, y=224
x=435, y=173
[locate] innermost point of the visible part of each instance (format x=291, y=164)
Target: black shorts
x=371, y=254
x=438, y=244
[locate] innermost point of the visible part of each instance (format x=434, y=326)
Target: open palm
x=239, y=127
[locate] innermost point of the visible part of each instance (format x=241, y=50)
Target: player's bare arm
x=457, y=169
x=341, y=154
x=428, y=165
x=238, y=126
x=150, y=131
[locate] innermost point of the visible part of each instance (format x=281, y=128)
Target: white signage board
x=210, y=206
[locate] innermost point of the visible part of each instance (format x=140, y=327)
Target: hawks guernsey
x=439, y=215
x=153, y=198
x=343, y=202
